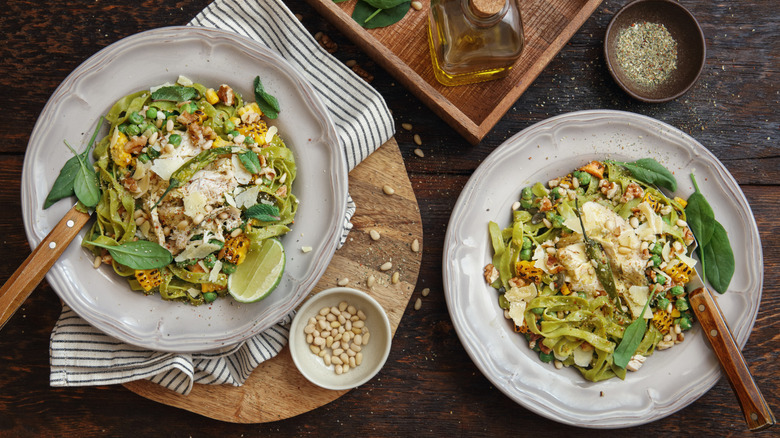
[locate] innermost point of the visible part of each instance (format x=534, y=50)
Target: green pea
x=174, y=139
x=677, y=290
x=144, y=158
x=685, y=323
x=663, y=303
x=210, y=260
x=230, y=126
x=526, y=254
x=582, y=177
x=209, y=297
x=228, y=268
x=527, y=243
x=546, y=357
x=660, y=279
x=526, y=193
x=249, y=140
x=122, y=128
x=151, y=113
x=503, y=302
x=656, y=260
x=133, y=130
x=135, y=118
x=681, y=304
x=555, y=193
x=657, y=248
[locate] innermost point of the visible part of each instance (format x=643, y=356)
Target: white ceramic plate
x=669, y=380
x=207, y=56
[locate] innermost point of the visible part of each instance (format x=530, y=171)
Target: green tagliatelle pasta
x=583, y=255
x=237, y=197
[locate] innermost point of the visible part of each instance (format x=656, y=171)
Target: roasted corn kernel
x=148, y=278
x=211, y=287
x=679, y=271
x=654, y=201
x=662, y=320
x=256, y=131
x=119, y=155
x=211, y=96
x=235, y=249
x=527, y=271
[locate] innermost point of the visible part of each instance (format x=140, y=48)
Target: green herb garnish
x=715, y=253
x=175, y=93
x=650, y=172
x=64, y=185
x=263, y=212
x=138, y=254
x=632, y=337
x=250, y=161
x=267, y=103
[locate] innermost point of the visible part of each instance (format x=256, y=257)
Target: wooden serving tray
x=472, y=110
x=276, y=390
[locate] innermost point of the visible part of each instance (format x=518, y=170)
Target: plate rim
x=547, y=409
x=329, y=137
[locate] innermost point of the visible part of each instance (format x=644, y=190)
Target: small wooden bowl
x=691, y=48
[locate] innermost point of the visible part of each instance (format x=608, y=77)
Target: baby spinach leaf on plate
x=139, y=254
x=650, y=172
x=63, y=185
x=263, y=212
x=699, y=215
x=175, y=93
x=267, y=103
x=632, y=337
x=720, y=257
x=371, y=17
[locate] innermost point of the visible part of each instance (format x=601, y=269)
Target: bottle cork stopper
x=487, y=8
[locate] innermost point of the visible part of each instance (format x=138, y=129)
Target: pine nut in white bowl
x=323, y=355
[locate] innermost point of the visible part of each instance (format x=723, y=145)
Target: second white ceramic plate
x=669, y=380
x=211, y=57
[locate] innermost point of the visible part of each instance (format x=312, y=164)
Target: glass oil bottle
x=474, y=40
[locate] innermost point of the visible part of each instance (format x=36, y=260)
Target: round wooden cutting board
x=276, y=390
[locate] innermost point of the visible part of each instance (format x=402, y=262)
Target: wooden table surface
x=429, y=386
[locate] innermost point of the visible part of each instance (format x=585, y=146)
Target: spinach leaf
x=263, y=212
x=85, y=183
x=718, y=252
x=267, y=103
x=632, y=337
x=139, y=254
x=699, y=215
x=371, y=17
x=175, y=93
x=250, y=161
x=650, y=172
x=63, y=185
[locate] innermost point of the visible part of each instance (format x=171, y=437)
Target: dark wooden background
x=429, y=385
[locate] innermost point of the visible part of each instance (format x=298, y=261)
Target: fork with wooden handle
x=30, y=273
x=755, y=408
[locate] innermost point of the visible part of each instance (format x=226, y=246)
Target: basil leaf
x=699, y=215
x=384, y=4
x=63, y=185
x=720, y=268
x=138, y=254
x=263, y=212
x=651, y=172
x=371, y=17
x=632, y=337
x=175, y=93
x=250, y=161
x=267, y=103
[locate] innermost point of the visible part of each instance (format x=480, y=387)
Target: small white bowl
x=374, y=354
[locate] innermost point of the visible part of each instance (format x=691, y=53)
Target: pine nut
x=417, y=304
x=343, y=306
x=374, y=234
x=370, y=281
x=396, y=277
x=358, y=358
x=97, y=262
x=415, y=245
x=388, y=190
x=343, y=282
x=407, y=126
x=386, y=266
x=419, y=153
x=417, y=139
x=417, y=5
x=426, y=291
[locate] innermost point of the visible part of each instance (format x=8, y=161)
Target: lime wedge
x=259, y=274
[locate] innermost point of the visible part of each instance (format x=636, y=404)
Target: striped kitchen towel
x=82, y=355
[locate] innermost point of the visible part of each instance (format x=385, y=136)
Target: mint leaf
x=267, y=103
x=175, y=93
x=263, y=212
x=250, y=161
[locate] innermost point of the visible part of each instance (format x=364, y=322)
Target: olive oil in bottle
x=474, y=40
